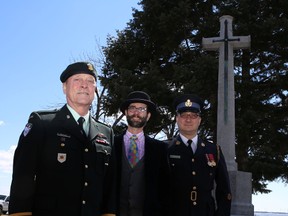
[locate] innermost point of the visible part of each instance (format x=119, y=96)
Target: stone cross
x=226, y=43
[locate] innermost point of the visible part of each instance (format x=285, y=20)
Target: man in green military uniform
x=196, y=165
x=64, y=163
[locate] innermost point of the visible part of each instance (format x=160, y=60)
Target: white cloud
x=6, y=159
x=1, y=123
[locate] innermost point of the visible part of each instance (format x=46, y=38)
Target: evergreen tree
x=160, y=52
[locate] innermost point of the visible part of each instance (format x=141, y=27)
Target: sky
x=39, y=39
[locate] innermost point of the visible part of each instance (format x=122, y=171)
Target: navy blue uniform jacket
x=58, y=171
x=193, y=177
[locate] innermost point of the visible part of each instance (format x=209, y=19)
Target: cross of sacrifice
x=226, y=43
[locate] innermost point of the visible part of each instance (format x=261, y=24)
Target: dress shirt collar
x=184, y=139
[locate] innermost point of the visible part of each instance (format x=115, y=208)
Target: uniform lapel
x=69, y=124
x=181, y=146
x=93, y=129
x=200, y=147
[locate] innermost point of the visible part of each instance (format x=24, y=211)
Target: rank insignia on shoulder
x=27, y=129
x=61, y=157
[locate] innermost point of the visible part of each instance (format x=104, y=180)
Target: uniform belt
x=193, y=196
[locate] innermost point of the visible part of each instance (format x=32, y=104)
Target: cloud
x=6, y=159
x=1, y=122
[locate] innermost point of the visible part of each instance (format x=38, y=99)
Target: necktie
x=189, y=145
x=133, y=154
x=81, y=121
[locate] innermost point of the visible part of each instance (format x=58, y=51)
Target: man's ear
x=64, y=88
x=148, y=116
x=199, y=122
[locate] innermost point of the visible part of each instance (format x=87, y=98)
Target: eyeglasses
x=139, y=109
x=189, y=115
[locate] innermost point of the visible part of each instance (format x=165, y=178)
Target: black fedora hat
x=138, y=97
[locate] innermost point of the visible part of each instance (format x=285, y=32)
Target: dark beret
x=78, y=68
x=188, y=103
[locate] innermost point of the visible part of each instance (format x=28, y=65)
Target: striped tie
x=133, y=154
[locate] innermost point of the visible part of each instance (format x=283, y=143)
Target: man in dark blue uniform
x=196, y=166
x=63, y=164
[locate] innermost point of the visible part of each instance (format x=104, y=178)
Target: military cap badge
x=90, y=67
x=188, y=103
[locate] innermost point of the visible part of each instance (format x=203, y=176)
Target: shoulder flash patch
x=27, y=129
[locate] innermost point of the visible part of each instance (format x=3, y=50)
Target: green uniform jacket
x=59, y=171
x=193, y=176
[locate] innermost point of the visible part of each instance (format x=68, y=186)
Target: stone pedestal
x=241, y=188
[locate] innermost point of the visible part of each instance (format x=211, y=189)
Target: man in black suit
x=142, y=162
x=196, y=165
x=63, y=164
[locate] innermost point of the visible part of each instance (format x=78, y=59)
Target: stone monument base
x=241, y=188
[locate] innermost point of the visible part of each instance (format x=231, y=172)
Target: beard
x=141, y=122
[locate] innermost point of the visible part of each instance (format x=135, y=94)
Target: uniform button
x=86, y=166
x=193, y=173
x=193, y=160
x=86, y=184
x=62, y=144
x=86, y=149
x=83, y=202
x=194, y=188
x=194, y=203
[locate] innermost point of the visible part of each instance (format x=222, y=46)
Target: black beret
x=78, y=68
x=188, y=103
x=138, y=97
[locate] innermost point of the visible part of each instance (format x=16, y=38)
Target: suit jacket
x=193, y=177
x=59, y=171
x=156, y=175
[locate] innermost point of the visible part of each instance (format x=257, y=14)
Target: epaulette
x=172, y=141
x=102, y=123
x=43, y=113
